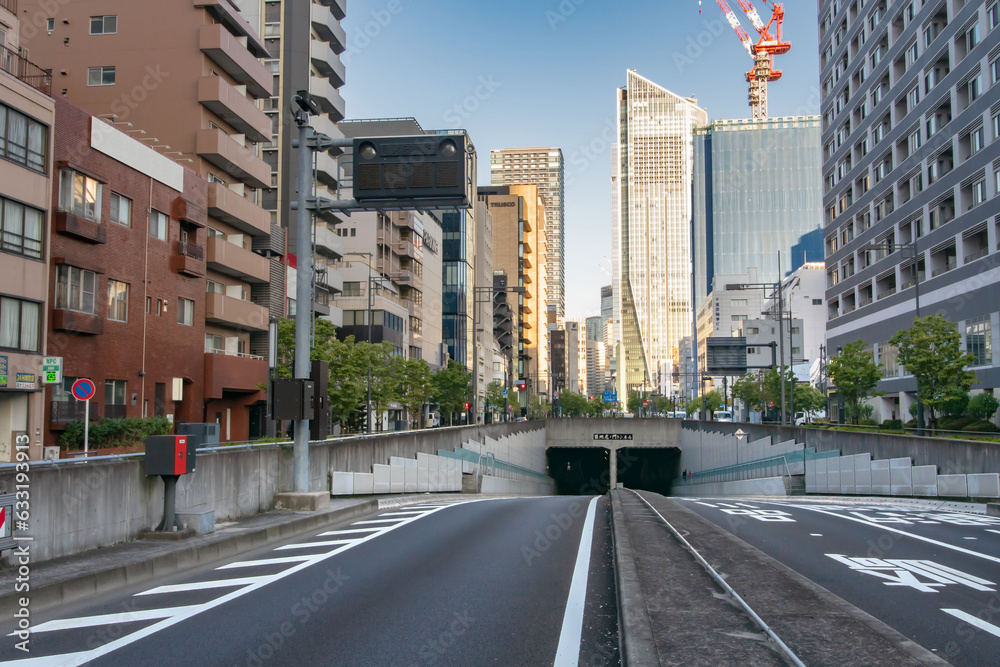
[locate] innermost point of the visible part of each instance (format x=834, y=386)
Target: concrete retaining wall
x=766, y=486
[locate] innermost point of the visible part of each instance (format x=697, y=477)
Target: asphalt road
x=932, y=575
x=488, y=582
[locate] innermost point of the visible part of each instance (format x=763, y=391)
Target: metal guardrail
x=742, y=471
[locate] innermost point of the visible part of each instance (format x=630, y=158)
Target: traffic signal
x=436, y=167
x=521, y=384
x=466, y=406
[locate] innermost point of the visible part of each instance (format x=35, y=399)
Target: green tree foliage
x=856, y=375
x=451, y=386
x=931, y=350
x=955, y=404
x=597, y=406
x=538, y=407
x=771, y=387
x=749, y=390
x=573, y=405
x=494, y=397
x=347, y=385
x=809, y=399
x=983, y=406
x=417, y=389
x=634, y=402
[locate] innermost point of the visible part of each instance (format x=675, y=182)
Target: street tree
x=347, y=385
x=748, y=389
x=494, y=395
x=451, y=385
x=809, y=399
x=596, y=406
x=572, y=404
x=634, y=402
x=931, y=350
x=855, y=374
x=983, y=406
x=417, y=389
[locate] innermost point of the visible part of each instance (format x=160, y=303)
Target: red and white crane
x=763, y=51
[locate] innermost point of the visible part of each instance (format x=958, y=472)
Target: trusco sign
x=502, y=204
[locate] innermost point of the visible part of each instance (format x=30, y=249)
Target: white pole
x=86, y=427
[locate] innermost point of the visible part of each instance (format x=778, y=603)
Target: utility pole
x=781, y=339
x=303, y=297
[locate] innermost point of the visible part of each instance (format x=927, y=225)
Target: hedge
x=108, y=433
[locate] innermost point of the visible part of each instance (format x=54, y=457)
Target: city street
x=489, y=581
x=931, y=575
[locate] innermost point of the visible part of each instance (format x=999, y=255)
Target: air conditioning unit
x=50, y=453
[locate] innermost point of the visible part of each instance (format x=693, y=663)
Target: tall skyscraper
x=653, y=255
x=545, y=168
x=757, y=192
x=911, y=120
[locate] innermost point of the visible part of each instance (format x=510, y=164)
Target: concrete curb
x=635, y=634
x=95, y=583
x=905, y=644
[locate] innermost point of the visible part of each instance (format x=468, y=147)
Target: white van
x=681, y=414
x=723, y=416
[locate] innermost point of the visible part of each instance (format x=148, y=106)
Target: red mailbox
x=170, y=454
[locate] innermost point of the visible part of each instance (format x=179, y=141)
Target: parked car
x=723, y=416
x=681, y=414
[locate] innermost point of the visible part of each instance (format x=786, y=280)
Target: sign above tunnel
x=613, y=436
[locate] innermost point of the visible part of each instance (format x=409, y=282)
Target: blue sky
x=544, y=73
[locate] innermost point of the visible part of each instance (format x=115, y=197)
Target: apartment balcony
x=80, y=228
x=387, y=236
x=328, y=244
x=407, y=276
x=232, y=106
x=67, y=412
x=188, y=260
x=328, y=98
x=233, y=373
x=233, y=158
x=241, y=213
x=406, y=248
x=21, y=68
x=326, y=169
x=327, y=62
x=81, y=323
x=236, y=261
x=337, y=7
x=226, y=51
x=236, y=313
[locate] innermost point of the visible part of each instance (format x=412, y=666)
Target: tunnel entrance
x=649, y=469
x=580, y=470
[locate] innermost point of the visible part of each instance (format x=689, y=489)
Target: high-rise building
x=545, y=168
x=304, y=40
x=911, y=122
x=482, y=372
x=652, y=262
x=198, y=105
x=757, y=193
x=576, y=355
x=519, y=251
x=26, y=172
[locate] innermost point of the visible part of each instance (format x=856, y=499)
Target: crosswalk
x=229, y=581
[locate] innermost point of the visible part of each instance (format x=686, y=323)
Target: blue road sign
x=610, y=397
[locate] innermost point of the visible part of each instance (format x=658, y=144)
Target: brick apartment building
x=127, y=282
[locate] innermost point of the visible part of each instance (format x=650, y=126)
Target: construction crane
x=762, y=52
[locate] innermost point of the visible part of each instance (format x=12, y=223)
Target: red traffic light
x=466, y=406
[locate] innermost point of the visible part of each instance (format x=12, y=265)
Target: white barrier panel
x=423, y=478
x=382, y=478
x=833, y=475
x=863, y=474
x=900, y=477
x=811, y=477
x=410, y=476
x=847, y=484
x=880, y=478
x=985, y=485
x=821, y=476
x=397, y=474
x=456, y=476
x=364, y=483
x=925, y=481
x=343, y=484
x=953, y=486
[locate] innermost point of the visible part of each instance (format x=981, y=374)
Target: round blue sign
x=84, y=389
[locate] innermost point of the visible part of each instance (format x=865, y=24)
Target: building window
x=185, y=311
x=20, y=324
x=100, y=76
x=76, y=289
x=975, y=88
x=979, y=192
x=121, y=210
x=214, y=344
x=291, y=310
x=737, y=302
x=50, y=25
x=103, y=25
x=158, y=225
x=994, y=15
x=978, y=340
x=80, y=195
x=817, y=302
x=117, y=301
x=23, y=140
x=114, y=392
x=21, y=229
x=738, y=318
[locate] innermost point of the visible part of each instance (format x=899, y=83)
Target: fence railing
x=776, y=466
x=20, y=67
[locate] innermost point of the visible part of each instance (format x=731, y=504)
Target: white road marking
x=568, y=652
x=205, y=585
x=706, y=504
x=265, y=561
x=347, y=531
x=970, y=538
x=402, y=513
x=361, y=523
x=903, y=572
x=84, y=657
x=972, y=620
x=921, y=538
x=815, y=534
x=990, y=530
x=306, y=545
x=109, y=619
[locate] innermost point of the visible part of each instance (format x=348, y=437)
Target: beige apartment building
x=183, y=77
x=26, y=116
x=519, y=250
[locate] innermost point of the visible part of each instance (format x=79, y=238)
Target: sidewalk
x=98, y=571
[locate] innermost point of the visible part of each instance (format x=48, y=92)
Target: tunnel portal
x=580, y=470
x=649, y=468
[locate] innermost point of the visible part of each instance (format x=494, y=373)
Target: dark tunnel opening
x=580, y=470
x=649, y=469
